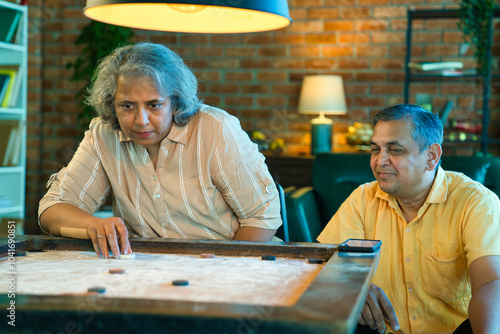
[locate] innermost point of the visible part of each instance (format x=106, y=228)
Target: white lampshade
x=322, y=94
x=192, y=16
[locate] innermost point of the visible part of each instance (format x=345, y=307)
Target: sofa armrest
x=304, y=220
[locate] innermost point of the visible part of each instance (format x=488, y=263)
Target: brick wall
x=257, y=76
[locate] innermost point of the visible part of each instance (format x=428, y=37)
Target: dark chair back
x=282, y=231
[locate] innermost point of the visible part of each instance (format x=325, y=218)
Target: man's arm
x=484, y=306
x=101, y=231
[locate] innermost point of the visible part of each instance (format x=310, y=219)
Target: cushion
x=474, y=167
x=335, y=176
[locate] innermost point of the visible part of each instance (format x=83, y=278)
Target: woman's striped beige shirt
x=210, y=179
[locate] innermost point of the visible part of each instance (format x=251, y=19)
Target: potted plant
x=475, y=22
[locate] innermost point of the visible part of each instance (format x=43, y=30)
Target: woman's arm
x=78, y=190
x=239, y=172
x=102, y=232
x=249, y=233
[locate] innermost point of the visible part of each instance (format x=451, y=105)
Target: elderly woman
x=176, y=168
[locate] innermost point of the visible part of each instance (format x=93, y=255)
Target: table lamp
x=322, y=94
x=200, y=16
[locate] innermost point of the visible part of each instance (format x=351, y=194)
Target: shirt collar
x=178, y=133
x=439, y=188
x=386, y=197
x=122, y=136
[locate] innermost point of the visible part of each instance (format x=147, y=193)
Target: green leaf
x=474, y=21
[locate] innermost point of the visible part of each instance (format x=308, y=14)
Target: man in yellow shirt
x=439, y=268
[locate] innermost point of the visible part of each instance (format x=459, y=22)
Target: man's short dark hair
x=426, y=128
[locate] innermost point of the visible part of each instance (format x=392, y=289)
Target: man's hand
x=377, y=308
x=110, y=231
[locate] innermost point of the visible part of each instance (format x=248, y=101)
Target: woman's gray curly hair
x=171, y=77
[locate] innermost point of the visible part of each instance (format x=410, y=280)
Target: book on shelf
x=15, y=154
x=445, y=112
x=16, y=86
x=470, y=71
x=5, y=128
x=10, y=97
x=4, y=84
x=19, y=32
x=9, y=145
x=442, y=65
x=10, y=22
x=11, y=133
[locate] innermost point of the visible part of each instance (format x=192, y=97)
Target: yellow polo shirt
x=423, y=266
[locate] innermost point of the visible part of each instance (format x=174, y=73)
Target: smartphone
x=360, y=245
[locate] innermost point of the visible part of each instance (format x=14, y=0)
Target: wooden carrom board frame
x=331, y=304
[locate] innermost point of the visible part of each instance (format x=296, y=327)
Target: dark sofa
x=335, y=176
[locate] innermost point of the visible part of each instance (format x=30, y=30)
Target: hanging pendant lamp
x=202, y=16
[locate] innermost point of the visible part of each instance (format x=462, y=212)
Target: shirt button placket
x=408, y=241
x=159, y=208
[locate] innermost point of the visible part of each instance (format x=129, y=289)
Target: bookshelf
x=411, y=77
x=13, y=56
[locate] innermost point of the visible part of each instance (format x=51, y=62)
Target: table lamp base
x=321, y=135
